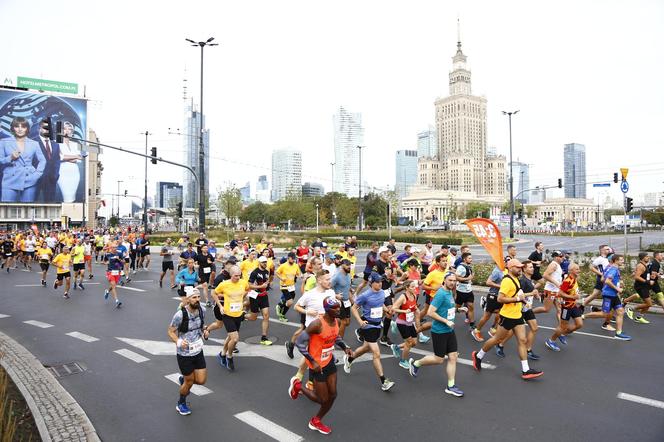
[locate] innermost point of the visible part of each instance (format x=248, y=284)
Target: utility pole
x=145, y=190
x=118, y=196
x=332, y=164
x=509, y=115
x=359, y=199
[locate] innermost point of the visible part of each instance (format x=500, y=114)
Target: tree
x=506, y=207
x=474, y=210
x=255, y=213
x=230, y=202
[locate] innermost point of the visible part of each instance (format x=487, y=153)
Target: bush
x=655, y=247
x=413, y=238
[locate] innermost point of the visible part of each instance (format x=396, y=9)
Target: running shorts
x=510, y=323
x=407, y=331
x=188, y=364
x=259, y=303
x=610, y=303
x=463, y=297
x=61, y=276
x=370, y=334
x=643, y=291
x=232, y=323
x=113, y=278
x=329, y=369
x=528, y=315
x=444, y=343
x=166, y=265
x=570, y=313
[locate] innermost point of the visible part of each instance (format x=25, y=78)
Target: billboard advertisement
x=34, y=168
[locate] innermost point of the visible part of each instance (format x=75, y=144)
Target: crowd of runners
x=422, y=295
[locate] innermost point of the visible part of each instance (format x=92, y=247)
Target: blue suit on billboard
x=20, y=176
x=48, y=183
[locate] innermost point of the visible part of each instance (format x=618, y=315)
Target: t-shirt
x=7, y=246
x=341, y=284
x=287, y=274
x=528, y=287
x=372, y=307
x=44, y=254
x=247, y=266
x=570, y=287
x=115, y=262
x=63, y=262
x=464, y=270
x=556, y=275
x=310, y=283
x=612, y=273
x=536, y=256
x=78, y=254
x=601, y=264
x=233, y=293
x=168, y=253
x=313, y=300
x=380, y=268
x=259, y=277
x=496, y=276
x=654, y=267
x=434, y=279
x=194, y=335
x=509, y=287
x=443, y=302
x=371, y=261
x=200, y=242
x=205, y=264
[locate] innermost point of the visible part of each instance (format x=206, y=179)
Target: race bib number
x=44, y=257
x=326, y=354
x=115, y=272
x=253, y=294
x=410, y=316
x=387, y=293
x=451, y=312
x=376, y=313
x=290, y=288
x=65, y=268
x=347, y=303
x=529, y=303
x=305, y=257
x=196, y=346
x=235, y=307
x=207, y=269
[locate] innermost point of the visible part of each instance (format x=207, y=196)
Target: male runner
x=464, y=288
x=87, y=256
x=167, y=252
x=433, y=281
x=258, y=299
x=113, y=273
x=62, y=262
x=655, y=269
x=233, y=292
x=598, y=265
x=491, y=305
x=553, y=275
x=44, y=254
x=78, y=258
x=7, y=252
x=287, y=273
x=642, y=288
x=341, y=285
x=536, y=257
x=569, y=294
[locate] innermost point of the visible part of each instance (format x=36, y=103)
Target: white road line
x=177, y=298
x=131, y=355
x=198, y=390
x=485, y=365
x=82, y=336
x=292, y=324
x=4, y=316
x=129, y=288
x=29, y=285
x=143, y=280
x=38, y=324
x=640, y=400
x=581, y=333
x=268, y=427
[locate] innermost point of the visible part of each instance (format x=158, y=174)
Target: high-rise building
x=191, y=143
x=406, y=171
x=286, y=174
x=575, y=170
x=521, y=181
x=312, y=189
x=348, y=134
x=245, y=193
x=168, y=194
x=427, y=143
x=262, y=190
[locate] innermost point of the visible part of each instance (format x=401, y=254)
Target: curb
x=57, y=414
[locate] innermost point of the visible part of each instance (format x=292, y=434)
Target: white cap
x=262, y=259
x=383, y=249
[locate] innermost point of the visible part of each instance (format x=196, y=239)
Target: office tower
x=348, y=134
x=286, y=174
x=575, y=170
x=406, y=171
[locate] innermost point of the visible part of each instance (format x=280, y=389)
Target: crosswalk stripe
x=640, y=400
x=131, y=355
x=581, y=333
x=485, y=365
x=198, y=390
x=82, y=336
x=268, y=427
x=133, y=289
x=4, y=316
x=38, y=324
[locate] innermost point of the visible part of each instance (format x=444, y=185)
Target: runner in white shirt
x=553, y=275
x=87, y=256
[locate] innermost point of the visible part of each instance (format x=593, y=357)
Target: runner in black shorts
x=259, y=279
x=642, y=288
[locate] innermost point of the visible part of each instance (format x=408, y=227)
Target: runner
x=7, y=252
x=287, y=273
x=553, y=275
x=569, y=293
x=309, y=281
x=341, y=285
x=491, y=305
x=258, y=299
x=442, y=311
x=29, y=245
x=113, y=273
x=528, y=287
x=62, y=262
x=464, y=288
x=87, y=256
x=44, y=254
x=408, y=320
x=655, y=269
x=511, y=319
x=205, y=261
x=372, y=303
x=316, y=344
x=167, y=252
x=598, y=266
x=536, y=257
x=78, y=258
x=187, y=331
x=303, y=252
x=433, y=281
x=187, y=277
x=233, y=292
x=642, y=284
x=99, y=246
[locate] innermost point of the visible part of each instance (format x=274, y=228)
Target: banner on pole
x=488, y=235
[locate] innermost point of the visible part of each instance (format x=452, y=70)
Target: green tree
x=255, y=213
x=230, y=202
x=475, y=209
x=506, y=207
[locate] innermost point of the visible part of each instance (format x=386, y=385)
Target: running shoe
x=277, y=309
x=623, y=337
x=532, y=356
x=66, y=295
x=236, y=350
x=80, y=285
x=357, y=335
x=91, y=276
x=173, y=287
x=221, y=359
x=404, y=364
x=412, y=368
x=106, y=293
x=531, y=374
x=265, y=341
x=477, y=362
x=423, y=338
x=161, y=284
x=551, y=345
x=385, y=341
x=630, y=313
x=180, y=379
x=183, y=409
x=500, y=351
x=118, y=304
x=562, y=339
x=75, y=286
x=454, y=391
x=462, y=309
x=492, y=331
x=289, y=349
x=316, y=425
x=477, y=335
x=347, y=364
x=608, y=327
x=595, y=309
x=396, y=351
x=387, y=384
x=294, y=387
x=230, y=365
x=642, y=320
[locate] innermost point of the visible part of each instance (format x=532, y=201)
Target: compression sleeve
x=302, y=344
x=340, y=343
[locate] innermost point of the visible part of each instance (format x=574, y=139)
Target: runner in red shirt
x=303, y=252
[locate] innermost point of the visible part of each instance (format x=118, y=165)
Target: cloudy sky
x=579, y=71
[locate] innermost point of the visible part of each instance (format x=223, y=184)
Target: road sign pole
x=625, y=227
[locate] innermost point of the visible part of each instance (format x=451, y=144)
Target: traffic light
x=125, y=192
x=615, y=177
x=59, y=138
x=178, y=211
x=46, y=128
x=153, y=153
x=560, y=183
x=629, y=204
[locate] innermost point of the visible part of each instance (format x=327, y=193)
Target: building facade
x=286, y=174
x=312, y=190
x=168, y=194
x=568, y=212
x=348, y=134
x=406, y=171
x=427, y=143
x=575, y=170
x=191, y=142
x=245, y=193
x=262, y=190
x=521, y=182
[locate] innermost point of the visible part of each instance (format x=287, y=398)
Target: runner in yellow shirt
x=248, y=265
x=287, y=273
x=44, y=255
x=62, y=262
x=78, y=257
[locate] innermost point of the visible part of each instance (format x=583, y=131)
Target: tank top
x=646, y=276
x=321, y=345
x=557, y=275
x=411, y=306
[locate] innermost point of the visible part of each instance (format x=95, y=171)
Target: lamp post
x=118, y=213
x=509, y=115
x=201, y=150
x=145, y=189
x=359, y=199
x=316, y=217
x=332, y=166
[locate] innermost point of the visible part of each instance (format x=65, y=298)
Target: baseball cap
x=383, y=249
x=375, y=277
x=444, y=246
x=323, y=245
x=262, y=259
x=514, y=263
x=330, y=303
x=556, y=253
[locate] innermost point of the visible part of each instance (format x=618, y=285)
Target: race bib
x=65, y=268
x=376, y=313
x=347, y=303
x=451, y=312
x=196, y=346
x=253, y=294
x=387, y=293
x=115, y=272
x=326, y=354
x=529, y=303
x=207, y=269
x=45, y=257
x=410, y=316
x=305, y=257
x=290, y=288
x=235, y=307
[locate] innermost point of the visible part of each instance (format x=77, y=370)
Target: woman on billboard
x=22, y=164
x=70, y=156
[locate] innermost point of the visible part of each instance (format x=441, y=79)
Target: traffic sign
x=623, y=172
x=624, y=186
x=602, y=185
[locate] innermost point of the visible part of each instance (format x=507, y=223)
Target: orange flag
x=489, y=236
x=35, y=229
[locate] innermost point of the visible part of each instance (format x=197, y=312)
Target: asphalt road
x=576, y=399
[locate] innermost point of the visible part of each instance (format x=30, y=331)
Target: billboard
x=34, y=169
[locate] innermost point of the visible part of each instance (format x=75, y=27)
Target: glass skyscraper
x=575, y=170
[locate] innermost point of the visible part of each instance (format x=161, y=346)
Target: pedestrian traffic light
x=560, y=183
x=615, y=177
x=178, y=211
x=125, y=192
x=629, y=204
x=153, y=153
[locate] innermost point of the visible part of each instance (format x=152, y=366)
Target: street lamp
x=316, y=217
x=201, y=151
x=509, y=115
x=118, y=196
x=145, y=189
x=332, y=165
x=359, y=199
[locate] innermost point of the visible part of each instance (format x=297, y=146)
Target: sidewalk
x=57, y=414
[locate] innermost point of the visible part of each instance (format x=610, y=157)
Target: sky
x=578, y=71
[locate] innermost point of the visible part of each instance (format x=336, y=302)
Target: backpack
x=184, y=325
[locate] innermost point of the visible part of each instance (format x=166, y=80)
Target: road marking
x=292, y=324
x=640, y=400
x=580, y=333
x=82, y=336
x=131, y=355
x=485, y=365
x=177, y=298
x=268, y=427
x=38, y=324
x=143, y=280
x=198, y=390
x=28, y=285
x=129, y=288
x=4, y=316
